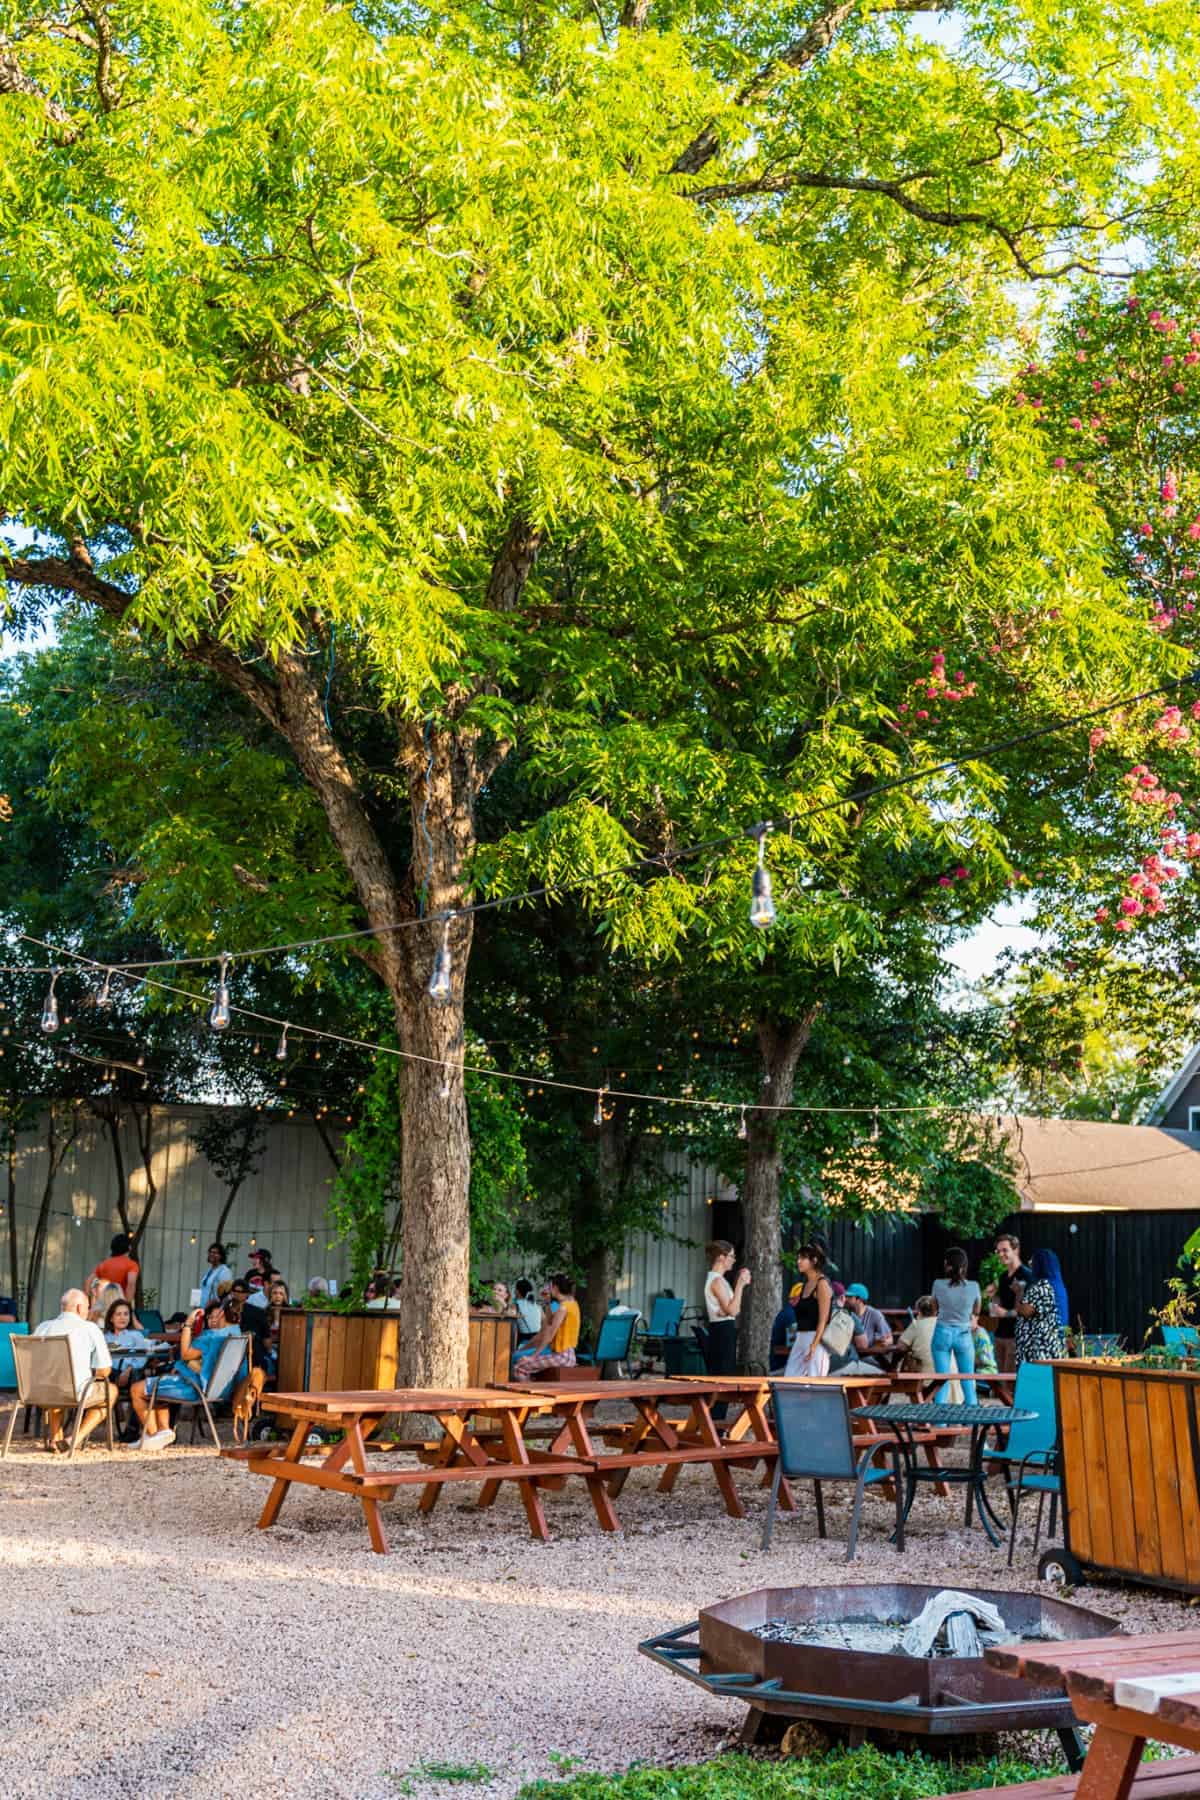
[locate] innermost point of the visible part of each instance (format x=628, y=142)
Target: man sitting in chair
x=553, y=1347
x=91, y=1365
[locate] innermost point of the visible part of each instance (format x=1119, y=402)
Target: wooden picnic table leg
x=637, y=1435
x=756, y=1415
x=712, y=1439
x=453, y=1445
x=514, y=1443
x=353, y=1448
x=282, y=1483
x=1112, y=1762
x=689, y=1434
x=575, y=1433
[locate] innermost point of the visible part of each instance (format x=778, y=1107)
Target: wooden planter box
x=357, y=1352
x=1131, y=1470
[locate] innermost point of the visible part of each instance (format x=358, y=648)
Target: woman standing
x=1041, y=1311
x=958, y=1300
x=722, y=1304
x=812, y=1306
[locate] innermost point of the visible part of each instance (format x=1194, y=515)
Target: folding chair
x=1028, y=1460
x=816, y=1443
x=612, y=1341
x=232, y=1357
x=45, y=1374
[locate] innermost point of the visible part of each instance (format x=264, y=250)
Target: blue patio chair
x=8, y=1372
x=1028, y=1461
x=816, y=1443
x=665, y=1316
x=152, y=1320
x=612, y=1341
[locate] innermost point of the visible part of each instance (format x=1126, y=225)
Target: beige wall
x=282, y=1205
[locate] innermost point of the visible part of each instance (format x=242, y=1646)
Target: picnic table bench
x=1130, y=1689
x=463, y=1454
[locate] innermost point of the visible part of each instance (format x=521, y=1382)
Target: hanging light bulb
x=104, y=997
x=444, y=1090
x=441, y=981
x=743, y=1129
x=762, y=906
x=218, y=1016
x=875, y=1126
x=281, y=1052
x=311, y=1238
x=50, y=1009
x=598, y=1115
x=192, y=1239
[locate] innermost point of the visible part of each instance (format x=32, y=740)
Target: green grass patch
x=454, y=1774
x=865, y=1774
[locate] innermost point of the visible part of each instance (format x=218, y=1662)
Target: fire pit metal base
x=869, y=1690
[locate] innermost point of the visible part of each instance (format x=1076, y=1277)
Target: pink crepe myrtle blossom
x=1145, y=530
x=944, y=881
x=1169, y=490
x=1097, y=736
x=1060, y=462
x=1131, y=906
x=1101, y=914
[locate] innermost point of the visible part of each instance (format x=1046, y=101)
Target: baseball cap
x=839, y=1292
x=856, y=1291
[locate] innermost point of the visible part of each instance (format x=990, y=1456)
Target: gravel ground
x=160, y=1646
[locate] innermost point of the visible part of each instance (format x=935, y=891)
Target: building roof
x=1084, y=1165
x=1170, y=1094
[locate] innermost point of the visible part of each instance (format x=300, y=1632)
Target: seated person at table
x=91, y=1365
x=216, y=1276
x=783, y=1332
x=529, y=1313
x=318, y=1288
x=130, y=1347
x=119, y=1267
x=985, y=1347
x=917, y=1337
x=553, y=1346
x=255, y=1322
x=199, y=1346
x=8, y=1310
x=873, y=1331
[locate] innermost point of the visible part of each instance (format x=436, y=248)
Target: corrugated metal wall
x=283, y=1205
x=676, y=1261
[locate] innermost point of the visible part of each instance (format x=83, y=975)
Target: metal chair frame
x=50, y=1387
x=829, y=1406
x=234, y=1352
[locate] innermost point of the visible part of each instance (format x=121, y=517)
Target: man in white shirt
x=91, y=1365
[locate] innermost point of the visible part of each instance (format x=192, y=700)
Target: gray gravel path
x=159, y=1646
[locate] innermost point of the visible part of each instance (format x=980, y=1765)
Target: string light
x=50, y=1008
x=762, y=906
x=441, y=982
x=104, y=997
x=743, y=1130
x=875, y=1125
x=218, y=1018
x=281, y=1052
x=598, y=1115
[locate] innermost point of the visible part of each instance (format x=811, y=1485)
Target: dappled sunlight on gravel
x=163, y=1648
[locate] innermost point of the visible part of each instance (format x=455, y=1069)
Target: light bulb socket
x=441, y=982
x=219, y=1013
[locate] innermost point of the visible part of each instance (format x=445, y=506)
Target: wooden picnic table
x=464, y=1453
x=1130, y=1689
x=652, y=1440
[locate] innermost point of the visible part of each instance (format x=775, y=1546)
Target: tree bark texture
x=60, y=1135
x=781, y=1044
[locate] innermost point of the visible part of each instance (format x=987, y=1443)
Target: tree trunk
x=143, y=1124
x=110, y=1114
x=58, y=1142
x=234, y=1189
x=780, y=1046
x=14, y=1261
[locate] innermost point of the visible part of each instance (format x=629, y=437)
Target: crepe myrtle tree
x=409, y=375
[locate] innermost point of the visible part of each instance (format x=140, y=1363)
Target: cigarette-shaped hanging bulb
x=281, y=1052
x=762, y=905
x=50, y=1006
x=442, y=980
x=218, y=1016
x=104, y=997
x=598, y=1115
x=743, y=1128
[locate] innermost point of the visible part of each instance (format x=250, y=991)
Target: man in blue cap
x=874, y=1332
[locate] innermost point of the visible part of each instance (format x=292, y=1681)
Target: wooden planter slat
x=1131, y=1469
x=359, y=1352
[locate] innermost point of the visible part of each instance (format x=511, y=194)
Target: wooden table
x=464, y=1453
x=1130, y=1689
x=654, y=1441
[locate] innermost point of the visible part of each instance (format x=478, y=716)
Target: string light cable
x=666, y=859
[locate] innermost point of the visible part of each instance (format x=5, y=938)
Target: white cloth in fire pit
x=921, y=1635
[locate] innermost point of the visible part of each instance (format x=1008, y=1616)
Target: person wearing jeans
x=958, y=1300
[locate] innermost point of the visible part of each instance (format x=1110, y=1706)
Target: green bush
x=866, y=1774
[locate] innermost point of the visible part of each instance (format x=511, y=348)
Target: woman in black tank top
x=808, y=1355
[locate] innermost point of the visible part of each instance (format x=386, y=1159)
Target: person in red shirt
x=119, y=1267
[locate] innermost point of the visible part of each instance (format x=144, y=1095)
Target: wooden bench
x=1177, y=1779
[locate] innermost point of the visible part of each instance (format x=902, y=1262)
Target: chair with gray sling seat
x=233, y=1354
x=45, y=1374
x=816, y=1443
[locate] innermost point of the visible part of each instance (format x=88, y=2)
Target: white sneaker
x=160, y=1440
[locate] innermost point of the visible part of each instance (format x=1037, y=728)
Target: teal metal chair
x=1029, y=1460
x=1181, y=1338
x=816, y=1443
x=152, y=1320
x=612, y=1341
x=8, y=1372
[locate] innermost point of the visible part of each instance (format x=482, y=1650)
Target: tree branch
x=895, y=190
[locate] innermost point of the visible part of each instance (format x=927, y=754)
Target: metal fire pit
x=862, y=1690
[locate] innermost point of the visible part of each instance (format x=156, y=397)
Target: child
x=985, y=1349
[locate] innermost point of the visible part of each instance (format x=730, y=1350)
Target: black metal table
x=904, y=1421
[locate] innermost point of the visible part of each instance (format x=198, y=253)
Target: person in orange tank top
x=553, y=1347
x=119, y=1267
